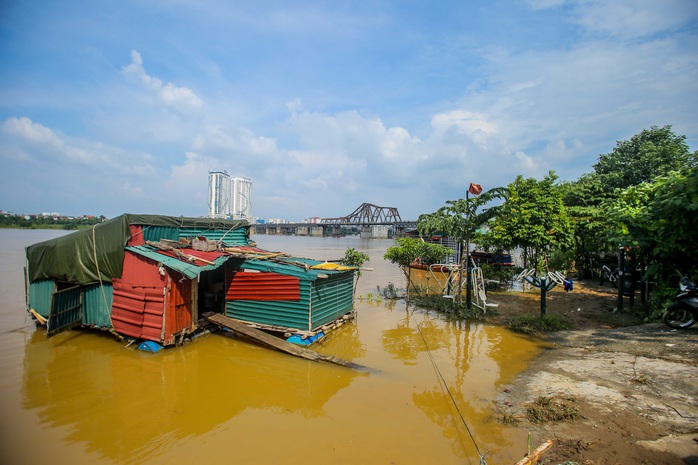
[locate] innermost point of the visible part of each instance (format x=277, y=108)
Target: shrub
x=531, y=324
x=547, y=409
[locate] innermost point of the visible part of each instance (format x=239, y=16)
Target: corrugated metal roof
x=190, y=270
x=292, y=266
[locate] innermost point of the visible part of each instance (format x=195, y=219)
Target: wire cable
x=455, y=404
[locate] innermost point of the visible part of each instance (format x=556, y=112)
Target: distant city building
x=242, y=199
x=219, y=195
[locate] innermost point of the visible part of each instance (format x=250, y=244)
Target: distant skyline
x=109, y=108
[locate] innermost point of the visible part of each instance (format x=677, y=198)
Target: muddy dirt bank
x=635, y=386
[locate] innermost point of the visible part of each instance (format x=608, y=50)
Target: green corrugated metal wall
x=232, y=238
x=40, y=296
x=155, y=233
x=285, y=313
x=332, y=298
x=95, y=310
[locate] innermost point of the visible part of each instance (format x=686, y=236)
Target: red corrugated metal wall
x=136, y=232
x=262, y=286
x=137, y=311
x=139, y=299
x=179, y=306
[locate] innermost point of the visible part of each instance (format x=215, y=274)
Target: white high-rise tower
x=242, y=199
x=218, y=194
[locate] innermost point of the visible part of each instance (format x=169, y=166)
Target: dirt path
x=635, y=386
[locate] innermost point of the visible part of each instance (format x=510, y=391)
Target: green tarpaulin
x=89, y=255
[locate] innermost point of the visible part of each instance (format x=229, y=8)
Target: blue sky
x=114, y=107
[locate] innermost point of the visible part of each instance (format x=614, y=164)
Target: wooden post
x=621, y=278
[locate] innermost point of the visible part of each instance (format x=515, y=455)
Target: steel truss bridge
x=368, y=214
x=363, y=218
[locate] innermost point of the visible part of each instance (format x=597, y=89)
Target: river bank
x=635, y=386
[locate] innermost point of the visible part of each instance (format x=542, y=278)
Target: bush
x=502, y=274
x=531, y=324
x=547, y=409
x=389, y=292
x=353, y=257
x=659, y=300
x=407, y=250
x=447, y=306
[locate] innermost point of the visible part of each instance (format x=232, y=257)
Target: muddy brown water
x=83, y=397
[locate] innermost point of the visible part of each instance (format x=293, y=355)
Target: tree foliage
x=353, y=257
x=408, y=250
x=651, y=154
x=463, y=217
x=533, y=218
x=659, y=219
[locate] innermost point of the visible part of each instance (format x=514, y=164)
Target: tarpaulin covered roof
x=95, y=254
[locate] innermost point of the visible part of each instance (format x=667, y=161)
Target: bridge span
x=368, y=220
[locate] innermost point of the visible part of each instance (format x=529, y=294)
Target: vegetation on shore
x=641, y=199
x=8, y=221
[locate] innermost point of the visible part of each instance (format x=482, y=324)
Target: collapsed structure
x=152, y=278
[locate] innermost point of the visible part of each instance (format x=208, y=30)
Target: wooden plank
x=535, y=455
x=277, y=343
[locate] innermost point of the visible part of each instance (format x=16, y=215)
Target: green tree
x=408, y=250
x=652, y=153
x=659, y=221
x=461, y=219
x=533, y=218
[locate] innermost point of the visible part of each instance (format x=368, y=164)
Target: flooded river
x=83, y=397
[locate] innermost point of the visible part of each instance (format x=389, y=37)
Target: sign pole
x=468, y=282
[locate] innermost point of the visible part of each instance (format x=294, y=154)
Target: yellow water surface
x=83, y=397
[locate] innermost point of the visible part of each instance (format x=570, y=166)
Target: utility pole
x=474, y=189
x=468, y=282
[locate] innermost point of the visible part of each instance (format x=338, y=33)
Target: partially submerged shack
x=152, y=278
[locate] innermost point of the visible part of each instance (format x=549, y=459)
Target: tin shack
x=152, y=277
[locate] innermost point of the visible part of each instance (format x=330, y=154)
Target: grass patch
x=548, y=409
x=447, y=306
x=531, y=324
x=640, y=379
x=390, y=292
x=508, y=417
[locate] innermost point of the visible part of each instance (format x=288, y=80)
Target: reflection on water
x=85, y=398
x=156, y=400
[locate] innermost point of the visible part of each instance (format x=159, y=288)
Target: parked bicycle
x=612, y=277
x=609, y=275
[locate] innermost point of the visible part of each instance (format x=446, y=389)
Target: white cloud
x=631, y=19
x=395, y=118
x=474, y=126
x=39, y=144
x=182, y=100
